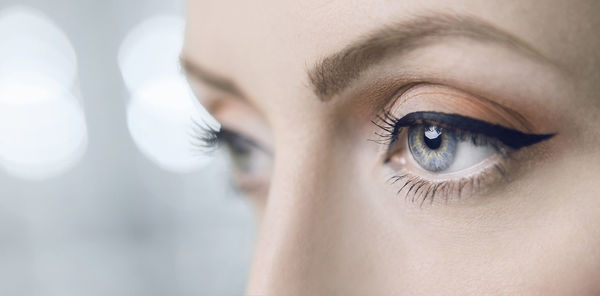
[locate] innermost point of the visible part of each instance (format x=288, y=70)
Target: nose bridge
x=297, y=223
x=316, y=230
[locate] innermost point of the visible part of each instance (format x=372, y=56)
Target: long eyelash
x=418, y=190
x=205, y=137
x=387, y=123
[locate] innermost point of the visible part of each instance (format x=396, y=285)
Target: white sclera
x=469, y=155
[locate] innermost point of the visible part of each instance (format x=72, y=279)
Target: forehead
x=267, y=47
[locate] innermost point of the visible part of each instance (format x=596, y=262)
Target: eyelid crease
x=445, y=99
x=510, y=137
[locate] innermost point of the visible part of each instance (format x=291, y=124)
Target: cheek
x=563, y=258
x=566, y=243
x=544, y=242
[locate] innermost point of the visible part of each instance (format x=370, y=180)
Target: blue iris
x=432, y=147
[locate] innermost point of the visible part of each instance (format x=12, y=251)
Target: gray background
x=116, y=224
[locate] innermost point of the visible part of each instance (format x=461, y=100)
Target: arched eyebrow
x=332, y=74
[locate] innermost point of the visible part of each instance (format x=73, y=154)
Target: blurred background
x=102, y=190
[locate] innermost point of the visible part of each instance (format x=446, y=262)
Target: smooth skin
x=330, y=224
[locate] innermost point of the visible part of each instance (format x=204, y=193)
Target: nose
x=317, y=233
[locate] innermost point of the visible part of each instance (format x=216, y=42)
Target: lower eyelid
x=423, y=189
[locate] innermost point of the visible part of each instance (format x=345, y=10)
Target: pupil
x=433, y=137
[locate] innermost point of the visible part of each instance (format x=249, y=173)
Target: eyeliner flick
x=509, y=137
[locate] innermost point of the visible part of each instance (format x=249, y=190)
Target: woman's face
x=410, y=147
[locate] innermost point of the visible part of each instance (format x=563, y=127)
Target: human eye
x=439, y=154
x=249, y=160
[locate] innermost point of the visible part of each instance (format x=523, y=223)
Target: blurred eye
x=251, y=163
x=439, y=149
x=247, y=156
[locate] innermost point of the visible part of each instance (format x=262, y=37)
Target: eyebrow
x=334, y=73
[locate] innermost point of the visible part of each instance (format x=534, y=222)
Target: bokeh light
x=41, y=139
x=161, y=112
x=36, y=57
x=42, y=126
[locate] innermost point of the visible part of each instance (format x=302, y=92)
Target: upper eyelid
x=409, y=94
x=510, y=137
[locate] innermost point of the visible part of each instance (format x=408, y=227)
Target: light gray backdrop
x=117, y=224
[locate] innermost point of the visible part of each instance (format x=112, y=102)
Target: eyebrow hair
x=334, y=73
x=221, y=83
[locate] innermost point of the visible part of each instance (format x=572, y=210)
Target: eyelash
x=418, y=189
x=205, y=137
